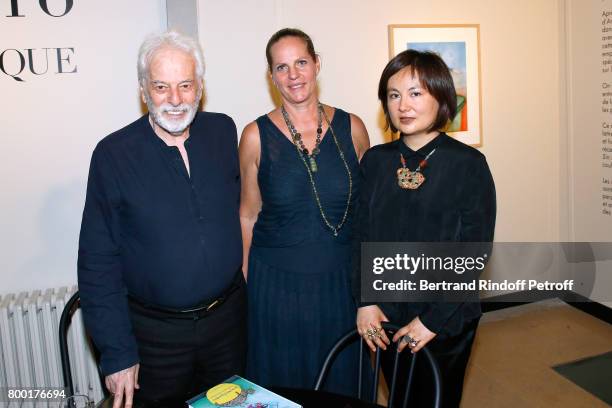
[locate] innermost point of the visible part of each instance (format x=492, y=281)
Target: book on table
x=239, y=392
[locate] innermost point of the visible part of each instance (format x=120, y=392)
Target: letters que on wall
x=19, y=64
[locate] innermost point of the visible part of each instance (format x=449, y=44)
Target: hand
x=368, y=320
x=417, y=331
x=123, y=382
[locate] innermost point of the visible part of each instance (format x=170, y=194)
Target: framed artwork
x=459, y=47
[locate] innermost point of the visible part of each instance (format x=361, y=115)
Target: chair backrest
x=69, y=309
x=353, y=336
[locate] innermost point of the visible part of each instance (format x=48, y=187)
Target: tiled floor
x=515, y=349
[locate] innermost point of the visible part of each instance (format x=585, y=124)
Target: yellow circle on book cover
x=223, y=393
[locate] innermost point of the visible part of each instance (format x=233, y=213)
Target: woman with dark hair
x=423, y=187
x=299, y=167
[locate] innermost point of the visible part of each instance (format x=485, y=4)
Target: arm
x=250, y=197
x=359, y=134
x=101, y=288
x=369, y=316
x=361, y=226
x=478, y=210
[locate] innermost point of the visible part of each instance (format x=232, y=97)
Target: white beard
x=173, y=126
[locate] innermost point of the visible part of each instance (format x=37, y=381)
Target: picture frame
x=459, y=47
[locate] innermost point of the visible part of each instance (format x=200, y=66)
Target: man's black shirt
x=154, y=231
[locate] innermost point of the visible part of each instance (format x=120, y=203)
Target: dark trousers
x=182, y=357
x=452, y=355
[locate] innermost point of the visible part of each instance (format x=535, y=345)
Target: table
x=317, y=399
x=306, y=398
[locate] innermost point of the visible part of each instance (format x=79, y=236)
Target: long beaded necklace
x=303, y=153
x=412, y=180
x=297, y=138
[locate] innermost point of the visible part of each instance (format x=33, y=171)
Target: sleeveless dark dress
x=299, y=292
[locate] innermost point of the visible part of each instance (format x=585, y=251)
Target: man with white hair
x=160, y=252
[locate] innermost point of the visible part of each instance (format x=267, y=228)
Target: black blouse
x=455, y=203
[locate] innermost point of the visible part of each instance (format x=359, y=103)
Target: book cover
x=239, y=392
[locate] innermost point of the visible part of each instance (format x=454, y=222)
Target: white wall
x=586, y=117
x=520, y=80
x=584, y=123
x=50, y=124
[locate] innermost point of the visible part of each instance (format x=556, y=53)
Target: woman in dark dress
x=299, y=168
x=424, y=187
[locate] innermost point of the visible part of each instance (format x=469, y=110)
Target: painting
x=459, y=47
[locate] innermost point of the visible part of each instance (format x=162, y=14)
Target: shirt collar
x=158, y=140
x=423, y=151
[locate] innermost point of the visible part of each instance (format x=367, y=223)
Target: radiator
x=29, y=347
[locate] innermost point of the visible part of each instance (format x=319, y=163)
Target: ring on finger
x=412, y=342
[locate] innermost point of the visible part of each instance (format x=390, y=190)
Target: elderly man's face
x=173, y=90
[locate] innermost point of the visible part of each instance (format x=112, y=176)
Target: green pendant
x=313, y=164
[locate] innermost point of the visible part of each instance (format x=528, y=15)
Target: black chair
x=69, y=309
x=352, y=336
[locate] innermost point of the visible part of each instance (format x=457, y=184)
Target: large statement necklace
x=411, y=180
x=311, y=165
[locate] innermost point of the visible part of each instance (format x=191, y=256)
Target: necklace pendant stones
x=313, y=164
x=409, y=180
